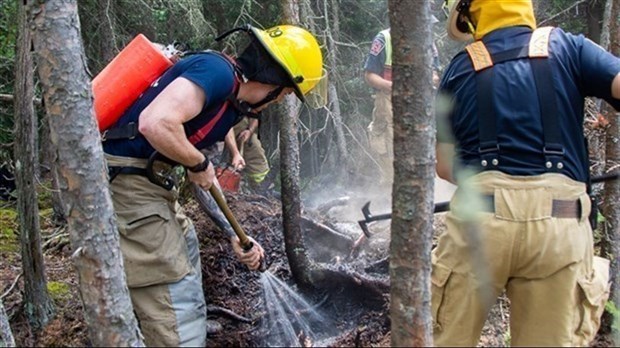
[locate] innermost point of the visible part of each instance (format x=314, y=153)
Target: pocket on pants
x=439, y=279
x=593, y=295
x=153, y=246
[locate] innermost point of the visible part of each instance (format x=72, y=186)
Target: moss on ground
x=8, y=231
x=59, y=291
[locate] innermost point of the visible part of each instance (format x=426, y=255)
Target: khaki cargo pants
x=557, y=288
x=161, y=258
x=256, y=166
x=381, y=135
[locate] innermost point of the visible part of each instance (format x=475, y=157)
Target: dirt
x=234, y=294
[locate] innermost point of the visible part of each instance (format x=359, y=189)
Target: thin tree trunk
x=595, y=12
x=414, y=172
x=291, y=193
x=6, y=336
x=38, y=306
x=107, y=40
x=611, y=208
x=50, y=172
x=332, y=34
x=289, y=173
x=92, y=230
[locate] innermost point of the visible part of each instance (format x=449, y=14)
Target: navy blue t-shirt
x=377, y=56
x=375, y=61
x=211, y=72
x=580, y=68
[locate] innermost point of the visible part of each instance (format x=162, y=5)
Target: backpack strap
x=130, y=130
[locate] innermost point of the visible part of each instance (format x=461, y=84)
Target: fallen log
x=368, y=286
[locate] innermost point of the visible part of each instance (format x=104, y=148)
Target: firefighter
x=510, y=135
x=190, y=107
x=253, y=162
x=378, y=74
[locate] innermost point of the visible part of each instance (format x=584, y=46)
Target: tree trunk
x=6, y=336
x=107, y=41
x=332, y=35
x=595, y=17
x=92, y=229
x=291, y=197
x=38, y=306
x=414, y=167
x=611, y=209
x=289, y=173
x=50, y=172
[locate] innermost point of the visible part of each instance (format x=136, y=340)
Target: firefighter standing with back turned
x=193, y=105
x=514, y=135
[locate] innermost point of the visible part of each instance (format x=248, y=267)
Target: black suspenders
x=538, y=53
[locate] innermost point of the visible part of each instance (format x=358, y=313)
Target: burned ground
x=235, y=295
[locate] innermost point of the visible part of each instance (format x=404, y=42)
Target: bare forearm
x=378, y=82
x=445, y=158
x=253, y=126
x=615, y=87
x=169, y=139
x=231, y=143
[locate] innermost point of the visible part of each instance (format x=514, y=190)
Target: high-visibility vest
x=388, y=47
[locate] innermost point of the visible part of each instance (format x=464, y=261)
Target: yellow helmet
x=297, y=51
x=472, y=19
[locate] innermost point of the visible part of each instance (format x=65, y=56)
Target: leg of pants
x=556, y=287
x=174, y=314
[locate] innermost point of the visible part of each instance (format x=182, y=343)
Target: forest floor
x=252, y=308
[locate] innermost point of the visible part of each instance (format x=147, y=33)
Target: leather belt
x=562, y=209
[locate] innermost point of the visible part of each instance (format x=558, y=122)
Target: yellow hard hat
x=297, y=51
x=472, y=19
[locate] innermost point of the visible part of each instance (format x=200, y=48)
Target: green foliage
x=8, y=230
x=507, y=338
x=8, y=36
x=572, y=20
x=610, y=307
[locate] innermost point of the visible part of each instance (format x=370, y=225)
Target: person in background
x=510, y=135
x=190, y=107
x=252, y=159
x=378, y=74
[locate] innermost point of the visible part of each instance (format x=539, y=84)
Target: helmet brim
x=263, y=39
x=453, y=31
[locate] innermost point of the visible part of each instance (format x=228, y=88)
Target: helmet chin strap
x=246, y=108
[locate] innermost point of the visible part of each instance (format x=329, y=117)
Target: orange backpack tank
x=127, y=76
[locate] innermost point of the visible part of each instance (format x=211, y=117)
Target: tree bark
x=107, y=40
x=38, y=306
x=289, y=174
x=6, y=336
x=414, y=167
x=92, y=228
x=49, y=172
x=332, y=34
x=595, y=17
x=611, y=209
